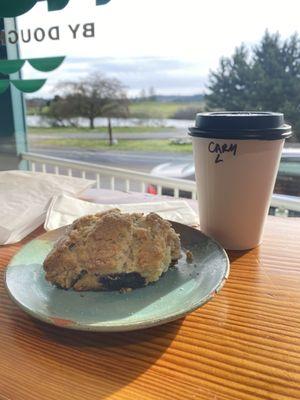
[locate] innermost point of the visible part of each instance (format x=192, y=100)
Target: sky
x=170, y=45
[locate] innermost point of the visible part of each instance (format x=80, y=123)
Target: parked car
x=288, y=179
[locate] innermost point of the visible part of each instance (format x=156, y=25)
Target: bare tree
x=152, y=94
x=97, y=96
x=143, y=94
x=91, y=97
x=61, y=110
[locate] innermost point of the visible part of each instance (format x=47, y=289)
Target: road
x=142, y=162
x=138, y=161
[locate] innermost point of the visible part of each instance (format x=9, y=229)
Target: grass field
x=123, y=145
x=134, y=129
x=155, y=109
x=145, y=109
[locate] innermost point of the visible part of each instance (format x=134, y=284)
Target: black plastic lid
x=241, y=125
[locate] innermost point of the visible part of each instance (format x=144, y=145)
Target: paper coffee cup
x=236, y=156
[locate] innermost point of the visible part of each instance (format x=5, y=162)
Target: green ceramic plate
x=178, y=292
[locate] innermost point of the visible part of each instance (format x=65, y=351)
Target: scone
x=112, y=251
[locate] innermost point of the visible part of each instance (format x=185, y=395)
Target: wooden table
x=245, y=344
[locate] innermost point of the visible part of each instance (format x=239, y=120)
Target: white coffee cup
x=236, y=156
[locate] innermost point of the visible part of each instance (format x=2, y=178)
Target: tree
x=97, y=96
x=152, y=94
x=61, y=110
x=143, y=94
x=264, y=77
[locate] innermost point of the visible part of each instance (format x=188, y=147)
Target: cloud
x=166, y=75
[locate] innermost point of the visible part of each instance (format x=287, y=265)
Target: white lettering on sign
x=89, y=30
x=26, y=35
x=74, y=30
x=53, y=33
x=13, y=37
x=39, y=34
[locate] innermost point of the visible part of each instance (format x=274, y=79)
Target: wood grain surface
x=245, y=344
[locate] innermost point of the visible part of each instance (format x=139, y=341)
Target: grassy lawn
x=155, y=109
x=35, y=110
x=123, y=145
x=145, y=109
x=134, y=129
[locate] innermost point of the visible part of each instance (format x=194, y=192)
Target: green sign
x=45, y=64
x=14, y=8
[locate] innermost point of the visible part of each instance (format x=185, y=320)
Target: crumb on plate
x=189, y=256
x=125, y=290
